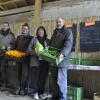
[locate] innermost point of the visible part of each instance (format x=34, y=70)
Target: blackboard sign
x=90, y=37
x=74, y=30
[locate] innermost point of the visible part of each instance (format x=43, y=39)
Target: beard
x=59, y=26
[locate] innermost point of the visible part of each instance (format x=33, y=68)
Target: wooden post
x=77, y=49
x=37, y=13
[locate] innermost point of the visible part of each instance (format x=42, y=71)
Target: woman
x=42, y=67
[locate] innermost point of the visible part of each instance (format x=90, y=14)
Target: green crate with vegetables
x=51, y=55
x=74, y=93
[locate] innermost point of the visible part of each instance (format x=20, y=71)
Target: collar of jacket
x=41, y=40
x=25, y=34
x=4, y=33
x=61, y=30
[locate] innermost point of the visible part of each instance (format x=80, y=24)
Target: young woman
x=42, y=67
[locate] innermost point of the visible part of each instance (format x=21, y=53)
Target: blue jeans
x=59, y=82
x=62, y=83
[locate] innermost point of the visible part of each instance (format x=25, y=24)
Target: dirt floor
x=8, y=96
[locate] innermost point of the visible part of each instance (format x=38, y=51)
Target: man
x=6, y=40
x=62, y=39
x=21, y=44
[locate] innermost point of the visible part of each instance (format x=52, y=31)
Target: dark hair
x=6, y=23
x=25, y=24
x=45, y=33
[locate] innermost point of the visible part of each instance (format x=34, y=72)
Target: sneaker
x=36, y=96
x=17, y=91
x=45, y=96
x=3, y=88
x=22, y=92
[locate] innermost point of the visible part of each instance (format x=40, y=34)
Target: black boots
x=3, y=87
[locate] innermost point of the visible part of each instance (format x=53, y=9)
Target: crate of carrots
x=15, y=55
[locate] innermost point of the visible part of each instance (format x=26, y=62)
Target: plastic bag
x=38, y=48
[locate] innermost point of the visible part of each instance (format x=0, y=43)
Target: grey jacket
x=6, y=40
x=63, y=39
x=34, y=62
x=31, y=50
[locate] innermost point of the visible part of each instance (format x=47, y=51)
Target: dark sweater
x=22, y=42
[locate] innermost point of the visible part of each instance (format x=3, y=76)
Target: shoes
x=45, y=96
x=22, y=92
x=17, y=92
x=36, y=96
x=3, y=88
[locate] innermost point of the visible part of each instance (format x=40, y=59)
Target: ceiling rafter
x=2, y=8
x=25, y=1
x=11, y=1
x=12, y=4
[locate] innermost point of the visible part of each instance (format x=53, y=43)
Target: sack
x=96, y=96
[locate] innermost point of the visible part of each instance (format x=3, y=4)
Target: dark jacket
x=63, y=39
x=22, y=42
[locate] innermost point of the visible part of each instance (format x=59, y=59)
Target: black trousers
x=23, y=69
x=40, y=74
x=43, y=74
x=54, y=89
x=3, y=69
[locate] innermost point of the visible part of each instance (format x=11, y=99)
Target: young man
x=6, y=40
x=62, y=39
x=21, y=44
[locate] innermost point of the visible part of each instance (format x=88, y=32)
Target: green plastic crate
x=74, y=61
x=74, y=93
x=52, y=59
x=88, y=62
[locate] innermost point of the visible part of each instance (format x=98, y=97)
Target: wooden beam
x=11, y=1
x=37, y=13
x=77, y=49
x=25, y=2
x=18, y=10
x=15, y=5
x=2, y=7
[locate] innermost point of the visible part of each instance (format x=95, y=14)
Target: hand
x=8, y=48
x=3, y=47
x=46, y=48
x=61, y=56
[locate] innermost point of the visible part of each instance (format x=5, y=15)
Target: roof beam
x=17, y=10
x=11, y=1
x=2, y=8
x=37, y=13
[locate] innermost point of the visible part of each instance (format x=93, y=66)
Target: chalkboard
x=90, y=37
x=74, y=30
